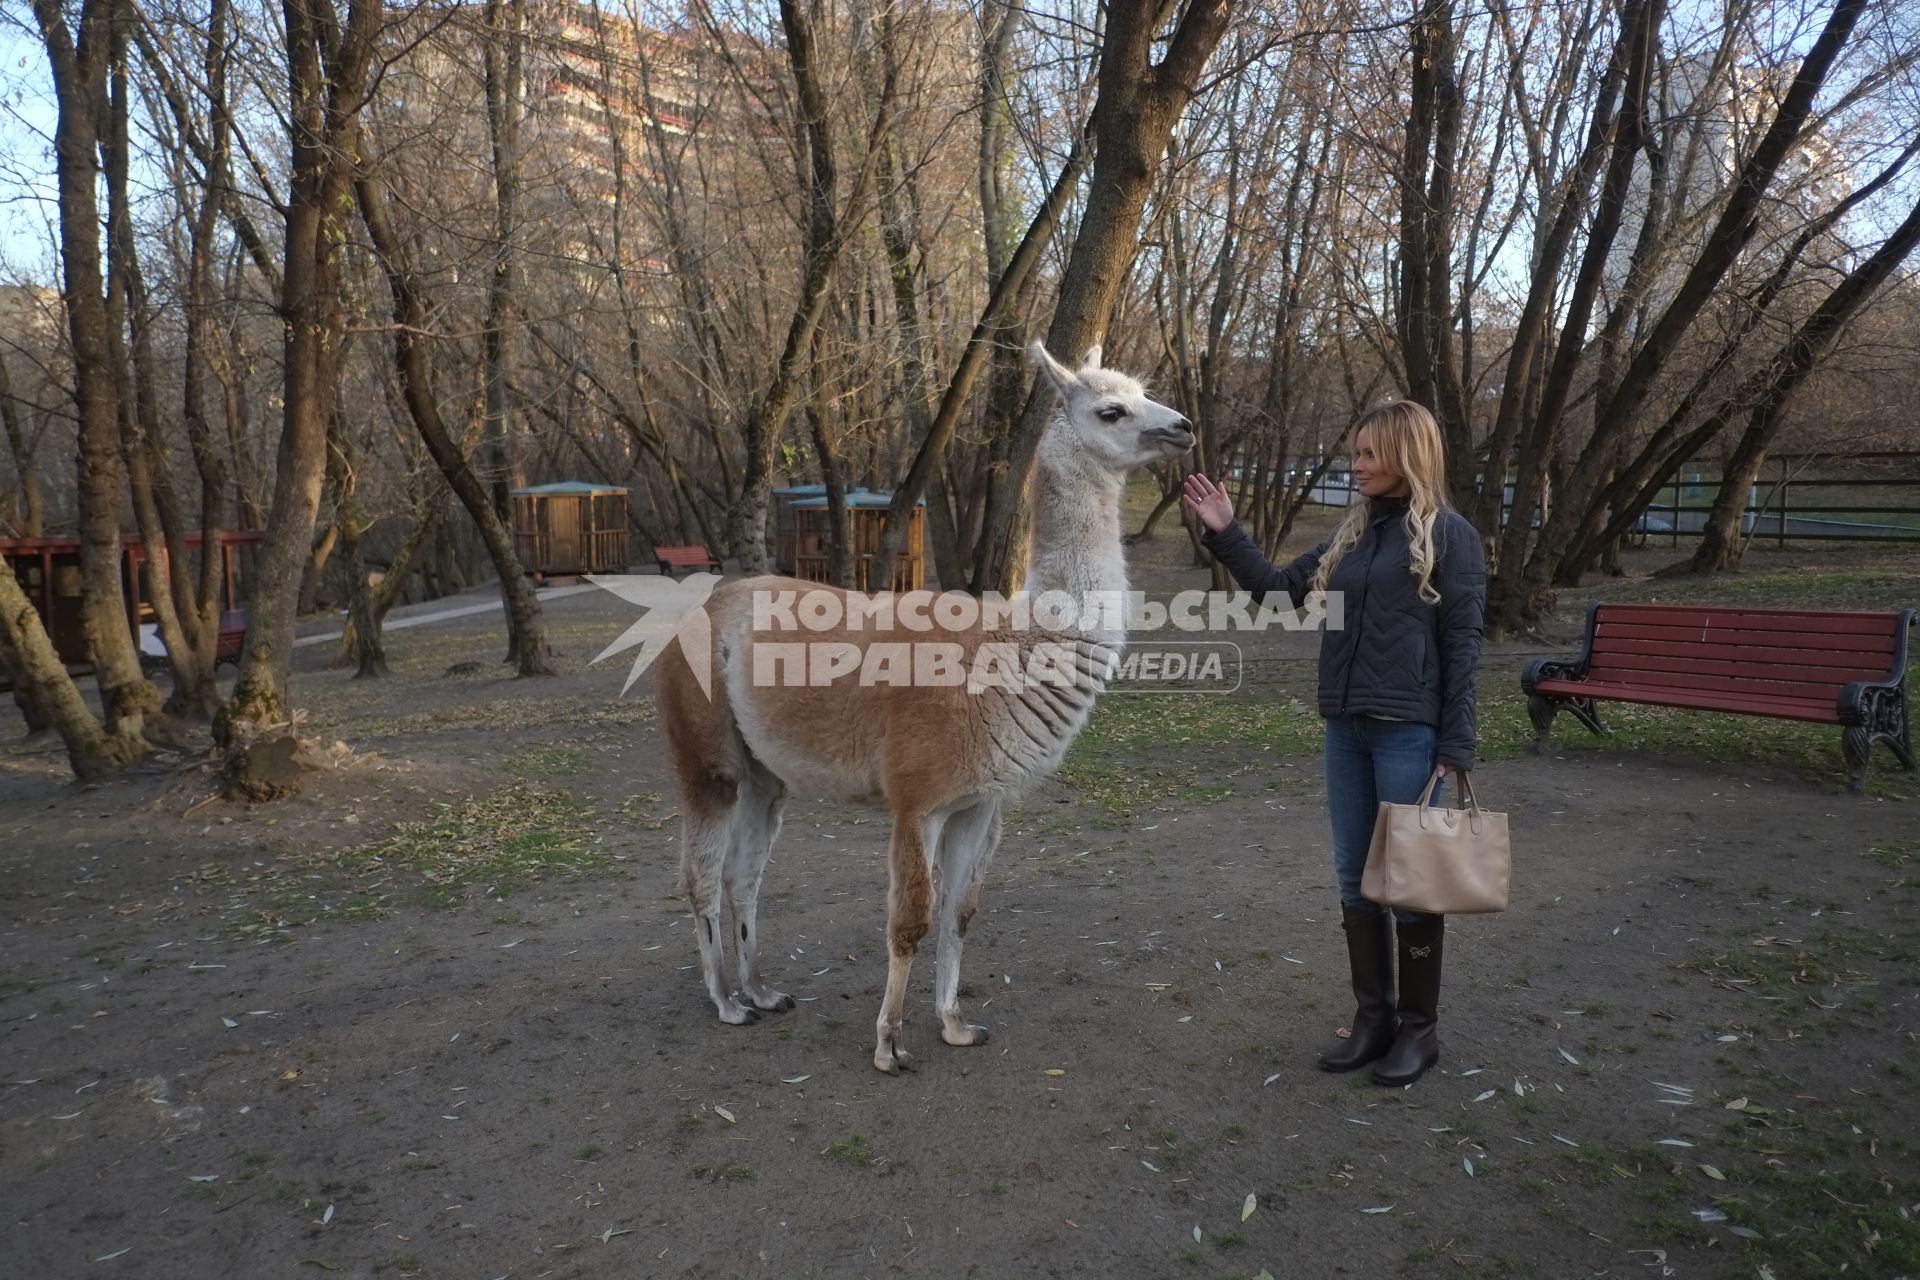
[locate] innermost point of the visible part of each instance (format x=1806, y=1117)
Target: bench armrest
x=1552, y=669
x=1574, y=668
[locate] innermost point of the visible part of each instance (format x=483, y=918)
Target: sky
x=26, y=155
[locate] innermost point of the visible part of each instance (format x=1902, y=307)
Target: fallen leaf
x=1710, y=1215
x=1569, y=1141
x=1488, y=1094
x=327, y=1217
x=203, y=1177
x=109, y=1257
x=1746, y=1233
x=1672, y=1142
x=230, y=1023
x=725, y=1114
x=1569, y=1057
x=1713, y=1173
x=1054, y=1071
x=1466, y=1162
x=1246, y=1210
x=1270, y=1079
x=1196, y=1233
x=795, y=1079
x=1385, y=1208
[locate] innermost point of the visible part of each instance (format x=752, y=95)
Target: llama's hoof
x=968, y=1034
x=735, y=1014
x=891, y=1060
x=772, y=1002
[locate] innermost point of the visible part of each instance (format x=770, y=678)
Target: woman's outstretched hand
x=1208, y=502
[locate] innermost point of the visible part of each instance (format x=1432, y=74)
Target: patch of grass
x=1121, y=764
x=1894, y=857
x=851, y=1150
x=553, y=759
x=499, y=843
x=1229, y=1241
x=592, y=1151
x=1807, y=751
x=516, y=836
x=1828, y=963
x=1831, y=1223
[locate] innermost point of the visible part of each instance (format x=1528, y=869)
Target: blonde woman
x=1397, y=691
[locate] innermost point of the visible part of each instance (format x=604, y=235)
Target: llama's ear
x=1091, y=360
x=1062, y=377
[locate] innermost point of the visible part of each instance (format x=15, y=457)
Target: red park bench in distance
x=1827, y=666
x=674, y=560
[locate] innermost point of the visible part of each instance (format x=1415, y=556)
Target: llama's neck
x=1076, y=527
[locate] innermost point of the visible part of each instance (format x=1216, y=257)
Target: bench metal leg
x=1856, y=744
x=1542, y=709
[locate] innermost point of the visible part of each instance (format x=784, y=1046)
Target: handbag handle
x=1466, y=788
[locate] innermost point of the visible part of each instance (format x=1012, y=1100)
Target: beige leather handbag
x=1437, y=860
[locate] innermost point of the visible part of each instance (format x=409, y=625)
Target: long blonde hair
x=1406, y=440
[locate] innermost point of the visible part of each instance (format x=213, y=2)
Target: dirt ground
x=441, y=1016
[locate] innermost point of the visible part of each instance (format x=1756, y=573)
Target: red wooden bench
x=685, y=559
x=1830, y=667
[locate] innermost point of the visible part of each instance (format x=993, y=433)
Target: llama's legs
x=706, y=839
x=909, y=915
x=965, y=849
x=756, y=822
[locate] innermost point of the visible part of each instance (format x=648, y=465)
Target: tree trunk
x=1770, y=391
x=38, y=673
x=327, y=70
x=31, y=513
x=80, y=67
x=1137, y=105
x=506, y=41
x=1520, y=594
x=412, y=360
x=840, y=567
x=826, y=236
x=430, y=518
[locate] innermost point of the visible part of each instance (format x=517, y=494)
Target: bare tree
x=328, y=57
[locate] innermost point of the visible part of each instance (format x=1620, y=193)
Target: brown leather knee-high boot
x=1370, y=958
x=1417, y=1046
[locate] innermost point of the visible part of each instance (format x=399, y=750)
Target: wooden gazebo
x=570, y=528
x=803, y=535
x=48, y=570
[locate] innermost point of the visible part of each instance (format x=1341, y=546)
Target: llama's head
x=1106, y=415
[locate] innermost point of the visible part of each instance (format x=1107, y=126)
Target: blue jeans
x=1368, y=761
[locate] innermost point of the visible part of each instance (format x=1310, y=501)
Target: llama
x=944, y=758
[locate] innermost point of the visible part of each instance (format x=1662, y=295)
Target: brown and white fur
x=942, y=759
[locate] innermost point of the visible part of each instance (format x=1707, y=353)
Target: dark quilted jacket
x=1397, y=656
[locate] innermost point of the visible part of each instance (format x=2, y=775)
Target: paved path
x=443, y=615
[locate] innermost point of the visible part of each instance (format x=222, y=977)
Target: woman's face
x=1374, y=478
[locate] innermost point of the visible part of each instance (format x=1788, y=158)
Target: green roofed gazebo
x=570, y=528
